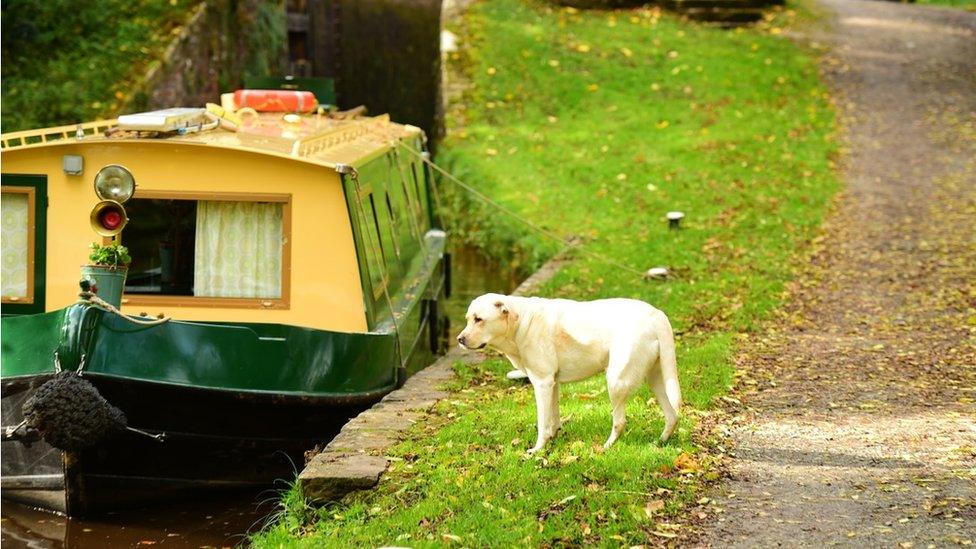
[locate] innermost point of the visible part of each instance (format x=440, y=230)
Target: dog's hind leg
x=664, y=380
x=661, y=392
x=622, y=379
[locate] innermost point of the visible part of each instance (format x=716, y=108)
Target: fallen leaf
x=686, y=464
x=567, y=499
x=653, y=506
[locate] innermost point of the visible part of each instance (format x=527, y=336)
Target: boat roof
x=314, y=138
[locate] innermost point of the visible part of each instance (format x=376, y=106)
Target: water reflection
x=222, y=522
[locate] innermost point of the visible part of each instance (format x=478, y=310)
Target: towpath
x=857, y=427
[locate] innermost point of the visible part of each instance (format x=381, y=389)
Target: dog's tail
x=669, y=365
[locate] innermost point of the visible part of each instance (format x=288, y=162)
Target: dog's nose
x=460, y=339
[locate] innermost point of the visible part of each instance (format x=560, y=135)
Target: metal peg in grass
x=657, y=273
x=674, y=220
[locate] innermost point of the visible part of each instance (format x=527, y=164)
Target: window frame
x=34, y=298
x=370, y=227
x=280, y=303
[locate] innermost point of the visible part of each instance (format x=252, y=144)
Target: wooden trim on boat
x=280, y=303
x=31, y=193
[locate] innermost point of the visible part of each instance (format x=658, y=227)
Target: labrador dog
x=558, y=341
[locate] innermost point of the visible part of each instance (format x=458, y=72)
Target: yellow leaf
x=626, y=52
x=582, y=48
x=686, y=464
x=653, y=506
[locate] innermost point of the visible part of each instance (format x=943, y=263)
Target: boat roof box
x=165, y=120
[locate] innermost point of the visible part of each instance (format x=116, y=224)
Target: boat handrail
x=326, y=140
x=26, y=138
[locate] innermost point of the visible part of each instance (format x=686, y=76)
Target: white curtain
x=15, y=218
x=238, y=250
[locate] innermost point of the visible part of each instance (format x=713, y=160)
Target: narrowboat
x=288, y=270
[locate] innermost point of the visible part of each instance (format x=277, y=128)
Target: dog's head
x=489, y=319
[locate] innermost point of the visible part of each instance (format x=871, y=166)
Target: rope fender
x=70, y=414
x=67, y=411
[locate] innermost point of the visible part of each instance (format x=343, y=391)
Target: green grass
x=597, y=124
x=964, y=4
x=66, y=61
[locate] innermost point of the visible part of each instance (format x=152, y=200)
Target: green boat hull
x=238, y=403
x=267, y=358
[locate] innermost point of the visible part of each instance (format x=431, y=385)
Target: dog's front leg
x=544, y=392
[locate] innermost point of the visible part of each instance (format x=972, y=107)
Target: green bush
x=69, y=61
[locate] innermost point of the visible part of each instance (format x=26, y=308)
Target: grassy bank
x=596, y=124
x=964, y=4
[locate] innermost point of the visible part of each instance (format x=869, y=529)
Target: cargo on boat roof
x=296, y=262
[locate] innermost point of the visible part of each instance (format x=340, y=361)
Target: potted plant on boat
x=108, y=268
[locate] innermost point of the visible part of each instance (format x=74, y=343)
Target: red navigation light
x=108, y=218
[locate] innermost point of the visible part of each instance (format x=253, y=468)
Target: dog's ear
x=506, y=312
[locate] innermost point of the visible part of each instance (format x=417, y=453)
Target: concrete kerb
x=353, y=459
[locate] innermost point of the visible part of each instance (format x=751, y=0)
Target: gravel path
x=858, y=426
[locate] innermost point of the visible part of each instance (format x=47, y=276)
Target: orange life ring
x=276, y=100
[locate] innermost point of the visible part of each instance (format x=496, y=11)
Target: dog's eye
x=477, y=320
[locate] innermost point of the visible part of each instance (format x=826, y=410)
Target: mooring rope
x=575, y=244
x=101, y=303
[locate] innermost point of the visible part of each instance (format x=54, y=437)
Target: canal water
x=216, y=523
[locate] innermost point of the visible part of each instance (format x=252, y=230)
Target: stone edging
x=350, y=461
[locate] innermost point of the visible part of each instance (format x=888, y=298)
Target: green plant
x=112, y=255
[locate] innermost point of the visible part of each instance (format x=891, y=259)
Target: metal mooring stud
x=674, y=220
x=658, y=273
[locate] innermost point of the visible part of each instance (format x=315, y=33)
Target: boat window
x=410, y=204
x=376, y=225
x=374, y=263
x=230, y=251
x=393, y=225
x=17, y=276
x=420, y=195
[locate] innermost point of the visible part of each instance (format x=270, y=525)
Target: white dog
x=557, y=340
